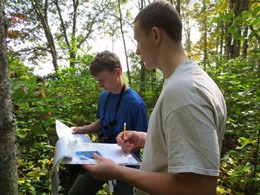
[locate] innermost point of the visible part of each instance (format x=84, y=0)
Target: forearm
x=142, y=138
x=166, y=183
x=149, y=182
x=93, y=127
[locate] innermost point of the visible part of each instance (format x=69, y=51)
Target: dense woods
x=62, y=33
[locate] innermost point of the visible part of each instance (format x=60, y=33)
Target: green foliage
x=74, y=96
x=239, y=80
x=17, y=69
x=148, y=83
x=35, y=150
x=71, y=96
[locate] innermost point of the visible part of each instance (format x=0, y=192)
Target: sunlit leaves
x=239, y=81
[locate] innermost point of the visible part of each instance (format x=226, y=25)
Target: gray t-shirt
x=187, y=125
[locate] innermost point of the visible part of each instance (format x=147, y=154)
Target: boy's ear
x=118, y=72
x=157, y=35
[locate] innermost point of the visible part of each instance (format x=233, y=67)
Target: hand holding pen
x=128, y=140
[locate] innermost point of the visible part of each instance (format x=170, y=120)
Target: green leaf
x=245, y=14
x=256, y=11
x=232, y=29
x=244, y=141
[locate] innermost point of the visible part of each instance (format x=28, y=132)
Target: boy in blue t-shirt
x=117, y=105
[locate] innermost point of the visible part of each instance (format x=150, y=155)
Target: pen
x=124, y=130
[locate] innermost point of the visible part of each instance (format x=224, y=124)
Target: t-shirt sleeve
x=192, y=141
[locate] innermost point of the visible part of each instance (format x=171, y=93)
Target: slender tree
x=123, y=38
x=187, y=24
x=72, y=39
x=235, y=31
x=205, y=33
x=8, y=166
x=61, y=30
x=141, y=5
x=42, y=14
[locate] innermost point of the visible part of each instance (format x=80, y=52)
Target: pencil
x=124, y=130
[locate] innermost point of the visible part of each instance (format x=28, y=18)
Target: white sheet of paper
x=70, y=144
x=62, y=129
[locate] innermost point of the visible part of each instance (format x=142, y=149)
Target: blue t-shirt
x=132, y=111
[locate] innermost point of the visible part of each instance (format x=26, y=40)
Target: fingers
x=128, y=135
x=76, y=130
x=121, y=138
x=128, y=148
x=125, y=146
x=97, y=157
x=90, y=167
x=104, y=169
x=131, y=141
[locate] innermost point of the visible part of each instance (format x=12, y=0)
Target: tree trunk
x=218, y=42
x=186, y=19
x=233, y=43
x=245, y=43
x=187, y=31
x=124, y=44
x=142, y=78
x=245, y=7
x=143, y=69
x=221, y=38
x=71, y=45
x=178, y=6
x=44, y=21
x=8, y=165
x=205, y=36
x=228, y=38
x=236, y=42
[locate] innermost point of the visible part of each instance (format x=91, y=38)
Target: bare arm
x=166, y=183
x=142, y=138
x=91, y=128
x=154, y=182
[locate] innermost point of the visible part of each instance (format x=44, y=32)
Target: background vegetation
x=227, y=48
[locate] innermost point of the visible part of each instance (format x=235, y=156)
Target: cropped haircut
x=104, y=61
x=161, y=14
